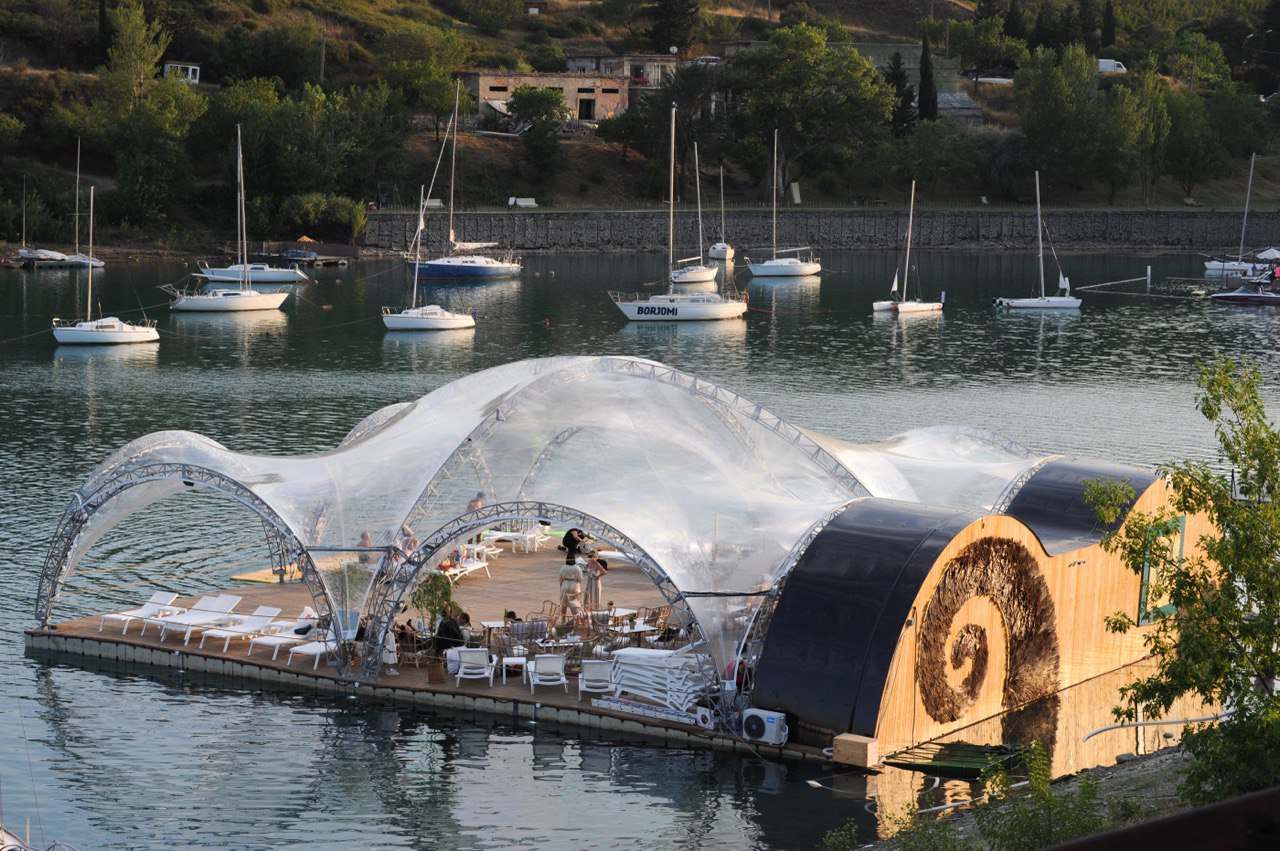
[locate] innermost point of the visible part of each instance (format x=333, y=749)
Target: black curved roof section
x=831, y=640
x=1052, y=502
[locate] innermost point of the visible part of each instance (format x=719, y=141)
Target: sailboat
x=455, y=265
x=431, y=317
x=241, y=297
x=675, y=306
x=79, y=259
x=721, y=250
x=788, y=267
x=903, y=304
x=696, y=273
x=36, y=258
x=107, y=329
x=1239, y=266
x=1063, y=300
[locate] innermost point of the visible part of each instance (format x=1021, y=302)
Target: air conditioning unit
x=761, y=725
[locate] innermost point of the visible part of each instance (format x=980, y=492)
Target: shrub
x=1036, y=818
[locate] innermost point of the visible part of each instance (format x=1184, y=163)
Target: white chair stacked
x=207, y=612
x=348, y=624
x=160, y=605
x=668, y=677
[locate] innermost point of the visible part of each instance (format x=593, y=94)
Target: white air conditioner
x=761, y=725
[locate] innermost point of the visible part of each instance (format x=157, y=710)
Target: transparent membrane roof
x=718, y=491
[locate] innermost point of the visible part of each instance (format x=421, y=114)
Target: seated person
x=464, y=624
x=448, y=634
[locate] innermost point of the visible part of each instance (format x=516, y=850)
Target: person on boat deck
x=366, y=542
x=570, y=587
x=448, y=634
x=594, y=572
x=572, y=544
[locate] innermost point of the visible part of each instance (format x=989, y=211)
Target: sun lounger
x=250, y=626
x=209, y=612
x=284, y=634
x=350, y=622
x=160, y=605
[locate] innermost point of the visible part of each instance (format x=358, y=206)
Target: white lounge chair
x=284, y=634
x=547, y=669
x=254, y=624
x=160, y=604
x=204, y=604
x=596, y=677
x=349, y=625
x=216, y=613
x=475, y=664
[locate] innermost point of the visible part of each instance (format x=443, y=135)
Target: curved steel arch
x=284, y=545
x=392, y=582
x=1001, y=503
x=725, y=403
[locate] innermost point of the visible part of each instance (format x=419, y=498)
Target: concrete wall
x=555, y=231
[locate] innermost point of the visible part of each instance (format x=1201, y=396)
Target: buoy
x=326, y=307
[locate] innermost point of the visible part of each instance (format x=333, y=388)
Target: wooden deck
x=519, y=582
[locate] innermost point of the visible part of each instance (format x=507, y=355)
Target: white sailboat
x=904, y=304
x=674, y=306
x=696, y=272
x=471, y=268
x=1063, y=300
x=106, y=330
x=431, y=317
x=78, y=259
x=1239, y=266
x=721, y=250
x=242, y=297
x=784, y=267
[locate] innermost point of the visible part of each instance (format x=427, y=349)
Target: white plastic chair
x=596, y=678
x=160, y=605
x=475, y=664
x=285, y=634
x=254, y=624
x=547, y=669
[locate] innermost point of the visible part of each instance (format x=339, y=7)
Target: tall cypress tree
x=1108, y=37
x=1015, y=21
x=675, y=23
x=928, y=89
x=1088, y=18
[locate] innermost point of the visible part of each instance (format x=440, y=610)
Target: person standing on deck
x=572, y=544
x=594, y=572
x=570, y=588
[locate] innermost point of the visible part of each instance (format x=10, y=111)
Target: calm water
x=143, y=759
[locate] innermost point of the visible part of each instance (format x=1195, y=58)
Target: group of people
x=454, y=630
x=581, y=580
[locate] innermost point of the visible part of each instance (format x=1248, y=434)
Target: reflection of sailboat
x=223, y=299
x=901, y=304
x=142, y=354
x=674, y=306
x=1063, y=300
x=106, y=330
x=694, y=273
x=789, y=267
x=232, y=324
x=722, y=250
x=685, y=333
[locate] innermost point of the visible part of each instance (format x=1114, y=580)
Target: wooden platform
x=518, y=582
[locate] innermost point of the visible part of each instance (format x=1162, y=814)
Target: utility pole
x=324, y=36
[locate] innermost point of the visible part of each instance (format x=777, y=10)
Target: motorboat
x=432, y=317
x=675, y=306
x=1250, y=294
x=802, y=262
x=1063, y=300
x=243, y=273
x=105, y=330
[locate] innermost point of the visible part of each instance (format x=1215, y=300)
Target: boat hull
x=882, y=306
x=694, y=275
x=1053, y=302
x=918, y=307
x=229, y=301
x=267, y=275
x=106, y=333
x=409, y=322
x=467, y=271
x=720, y=251
x=784, y=268
x=1219, y=267
x=647, y=311
x=1246, y=296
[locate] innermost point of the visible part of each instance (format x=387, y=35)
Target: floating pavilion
x=881, y=595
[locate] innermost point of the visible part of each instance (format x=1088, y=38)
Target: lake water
x=132, y=759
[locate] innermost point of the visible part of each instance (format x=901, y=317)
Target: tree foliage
x=928, y=94
x=530, y=104
x=1193, y=153
x=1215, y=615
x=1060, y=108
x=937, y=150
x=904, y=93
x=676, y=23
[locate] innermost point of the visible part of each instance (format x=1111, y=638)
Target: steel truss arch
x=1001, y=503
x=284, y=546
x=393, y=581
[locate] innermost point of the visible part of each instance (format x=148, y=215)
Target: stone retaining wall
x=554, y=231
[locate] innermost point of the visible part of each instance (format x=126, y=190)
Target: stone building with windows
x=589, y=96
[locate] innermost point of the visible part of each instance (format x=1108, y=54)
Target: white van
x=1111, y=66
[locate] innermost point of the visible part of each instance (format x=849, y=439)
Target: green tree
x=530, y=104
x=540, y=149
x=937, y=151
x=1193, y=152
x=133, y=60
x=1059, y=106
x=547, y=57
x=827, y=104
x=803, y=13
x=491, y=17
x=984, y=44
x=1107, y=34
x=1015, y=21
x=419, y=60
x=1004, y=163
x=904, y=107
x=290, y=49
x=10, y=130
x=629, y=128
x=928, y=108
x=1087, y=17
x=989, y=9
x=1119, y=131
x=1152, y=126
x=1195, y=59
x=1238, y=118
x=676, y=23
x=1214, y=615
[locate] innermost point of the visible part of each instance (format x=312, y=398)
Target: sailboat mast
x=24, y=211
x=671, y=198
x=417, y=240
x=774, y=183
x=243, y=219
x=89, y=311
x=453, y=158
x=1248, y=192
x=1040, y=234
x=78, y=198
x=722, y=204
x=697, y=182
x=911, y=214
